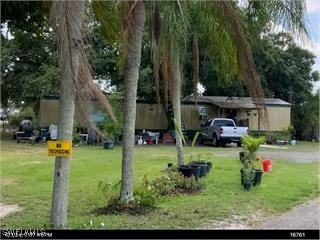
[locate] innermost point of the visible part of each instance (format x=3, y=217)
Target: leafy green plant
x=175, y=183
x=251, y=146
x=107, y=187
x=143, y=199
x=191, y=155
x=111, y=129
x=251, y=162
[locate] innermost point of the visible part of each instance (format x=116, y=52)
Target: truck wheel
x=215, y=142
x=201, y=140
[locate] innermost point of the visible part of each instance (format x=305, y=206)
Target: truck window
x=208, y=123
x=226, y=123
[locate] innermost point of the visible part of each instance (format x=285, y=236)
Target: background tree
x=29, y=66
x=285, y=68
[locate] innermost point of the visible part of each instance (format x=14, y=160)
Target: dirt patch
x=303, y=216
x=7, y=181
x=118, y=210
x=7, y=209
x=234, y=222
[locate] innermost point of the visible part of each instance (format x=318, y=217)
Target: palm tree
x=124, y=22
x=76, y=87
x=67, y=20
x=220, y=26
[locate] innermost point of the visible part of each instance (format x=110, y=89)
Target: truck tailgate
x=233, y=131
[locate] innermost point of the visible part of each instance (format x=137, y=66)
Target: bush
x=145, y=196
x=143, y=200
x=175, y=183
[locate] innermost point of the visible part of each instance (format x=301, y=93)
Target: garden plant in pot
x=197, y=163
x=111, y=130
x=198, y=168
x=188, y=170
x=251, y=172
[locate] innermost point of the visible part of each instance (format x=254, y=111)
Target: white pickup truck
x=220, y=131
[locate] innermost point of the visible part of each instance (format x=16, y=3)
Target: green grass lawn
x=27, y=176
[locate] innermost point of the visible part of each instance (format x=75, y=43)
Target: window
x=226, y=123
x=203, y=112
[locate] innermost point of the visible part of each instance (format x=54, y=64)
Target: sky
x=313, y=20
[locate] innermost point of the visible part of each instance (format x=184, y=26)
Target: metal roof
x=234, y=102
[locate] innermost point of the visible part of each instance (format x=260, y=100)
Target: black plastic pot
x=203, y=168
x=188, y=171
x=241, y=156
x=242, y=176
x=256, y=180
x=247, y=185
x=257, y=177
x=108, y=145
x=209, y=166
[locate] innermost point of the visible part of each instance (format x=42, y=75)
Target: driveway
x=275, y=154
x=303, y=216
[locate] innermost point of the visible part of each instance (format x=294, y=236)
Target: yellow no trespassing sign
x=59, y=148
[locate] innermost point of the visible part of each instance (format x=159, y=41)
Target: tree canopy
x=29, y=66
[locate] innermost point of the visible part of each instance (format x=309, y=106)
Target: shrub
x=145, y=196
x=143, y=200
x=175, y=183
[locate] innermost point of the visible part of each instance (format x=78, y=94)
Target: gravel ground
x=304, y=216
x=300, y=157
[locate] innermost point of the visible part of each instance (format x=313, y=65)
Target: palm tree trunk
x=176, y=105
x=131, y=75
x=68, y=21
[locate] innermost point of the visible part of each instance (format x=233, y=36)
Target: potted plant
x=110, y=130
x=257, y=163
x=197, y=163
x=251, y=172
x=188, y=170
x=197, y=168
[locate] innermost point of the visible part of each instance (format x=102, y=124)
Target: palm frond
x=107, y=13
x=84, y=89
x=245, y=59
x=216, y=39
x=290, y=15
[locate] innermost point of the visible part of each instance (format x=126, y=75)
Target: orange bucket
x=267, y=165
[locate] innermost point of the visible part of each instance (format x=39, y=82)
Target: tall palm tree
x=220, y=26
x=124, y=22
x=77, y=88
x=67, y=17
